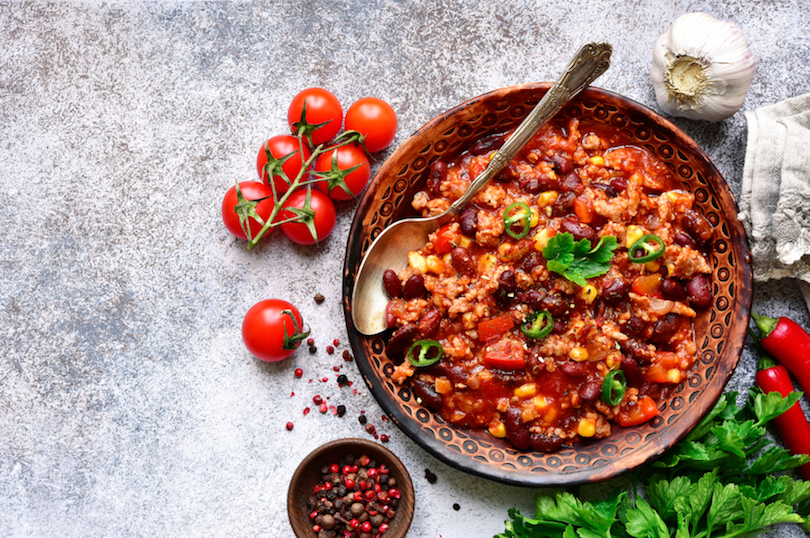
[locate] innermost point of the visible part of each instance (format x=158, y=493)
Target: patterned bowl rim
x=599, y=460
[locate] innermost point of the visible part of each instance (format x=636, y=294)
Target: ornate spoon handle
x=588, y=64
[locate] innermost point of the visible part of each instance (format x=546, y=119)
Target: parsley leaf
x=577, y=261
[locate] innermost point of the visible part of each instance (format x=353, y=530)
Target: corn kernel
x=588, y=293
x=586, y=427
x=653, y=266
x=467, y=321
x=541, y=239
x=539, y=402
x=506, y=251
x=673, y=375
x=443, y=386
x=526, y=390
x=434, y=264
x=547, y=198
x=535, y=218
x=634, y=233
x=550, y=416
x=498, y=430
x=597, y=160
x=487, y=263
x=613, y=359
x=464, y=241
x=578, y=354
x=417, y=262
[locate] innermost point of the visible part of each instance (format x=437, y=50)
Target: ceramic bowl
x=308, y=475
x=720, y=330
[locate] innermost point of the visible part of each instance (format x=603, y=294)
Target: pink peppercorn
x=349, y=483
x=384, y=438
x=299, y=372
x=335, y=468
x=310, y=341
x=372, y=472
x=323, y=408
x=336, y=342
x=354, y=523
x=383, y=528
x=366, y=527
x=330, y=350
x=347, y=469
x=316, y=528
x=289, y=426
x=317, y=400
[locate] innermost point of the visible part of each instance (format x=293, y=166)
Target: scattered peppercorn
x=317, y=400
x=347, y=356
x=299, y=372
x=330, y=350
x=319, y=298
x=289, y=426
x=431, y=478
x=313, y=350
x=336, y=342
x=310, y=341
x=456, y=507
x=362, y=419
x=371, y=429
x=341, y=410
x=342, y=380
x=323, y=408
x=383, y=438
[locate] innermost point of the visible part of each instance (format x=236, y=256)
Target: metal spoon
x=390, y=249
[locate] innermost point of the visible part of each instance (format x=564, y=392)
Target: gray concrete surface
x=128, y=404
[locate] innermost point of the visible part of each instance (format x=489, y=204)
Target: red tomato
x=322, y=108
x=273, y=329
x=495, y=328
x=280, y=147
x=635, y=413
x=446, y=238
x=320, y=214
x=375, y=119
x=251, y=190
x=332, y=166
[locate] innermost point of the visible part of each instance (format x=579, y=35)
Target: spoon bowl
x=390, y=248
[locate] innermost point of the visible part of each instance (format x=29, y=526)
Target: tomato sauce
x=528, y=350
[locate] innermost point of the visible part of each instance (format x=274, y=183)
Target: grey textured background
x=128, y=403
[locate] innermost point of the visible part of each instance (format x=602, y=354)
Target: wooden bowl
x=720, y=331
x=308, y=475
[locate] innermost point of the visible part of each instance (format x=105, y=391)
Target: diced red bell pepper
x=638, y=413
x=505, y=354
x=445, y=238
x=494, y=328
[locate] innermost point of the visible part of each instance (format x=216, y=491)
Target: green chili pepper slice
x=425, y=358
x=521, y=218
x=538, y=324
x=613, y=387
x=653, y=251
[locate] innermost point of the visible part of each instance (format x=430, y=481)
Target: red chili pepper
x=792, y=425
x=788, y=343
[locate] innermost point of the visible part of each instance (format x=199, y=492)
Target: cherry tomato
x=280, y=147
x=320, y=214
x=333, y=165
x=375, y=119
x=322, y=108
x=273, y=329
x=251, y=190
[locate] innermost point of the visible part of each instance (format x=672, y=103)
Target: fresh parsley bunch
x=577, y=261
x=718, y=482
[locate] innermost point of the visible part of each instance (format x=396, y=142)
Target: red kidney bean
x=672, y=288
x=697, y=225
x=425, y=392
x=532, y=185
x=562, y=165
x=429, y=323
x=608, y=189
x=392, y=284
x=530, y=261
x=516, y=431
x=619, y=184
x=543, y=442
x=487, y=145
x=436, y=175
x=642, y=354
x=574, y=369
x=684, y=240
x=555, y=304
x=414, y=288
x=507, y=283
x=590, y=390
x=468, y=221
x=665, y=328
x=462, y=261
x=572, y=183
x=400, y=341
x=635, y=327
x=700, y=291
x=632, y=371
x=533, y=298
x=615, y=289
x=563, y=205
x=578, y=230
x=457, y=374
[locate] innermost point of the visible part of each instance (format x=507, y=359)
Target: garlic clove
x=702, y=68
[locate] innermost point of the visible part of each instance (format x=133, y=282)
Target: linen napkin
x=775, y=200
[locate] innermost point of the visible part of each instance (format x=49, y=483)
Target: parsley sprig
x=576, y=260
x=718, y=482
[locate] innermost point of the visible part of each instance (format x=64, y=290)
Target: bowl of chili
x=719, y=328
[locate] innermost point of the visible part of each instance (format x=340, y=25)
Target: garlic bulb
x=702, y=68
